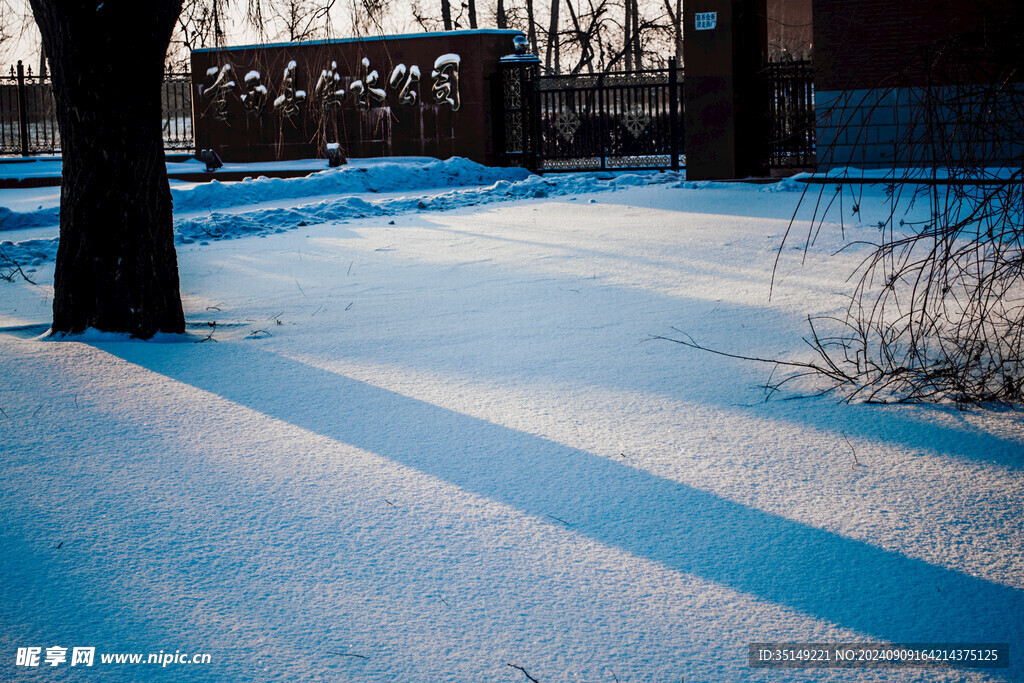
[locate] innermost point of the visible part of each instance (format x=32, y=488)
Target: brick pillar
x=725, y=107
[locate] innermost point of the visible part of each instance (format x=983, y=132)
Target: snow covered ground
x=419, y=431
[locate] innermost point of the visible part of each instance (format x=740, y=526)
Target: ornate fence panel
x=177, y=108
x=609, y=121
x=28, y=113
x=594, y=121
x=28, y=116
x=790, y=88
x=513, y=132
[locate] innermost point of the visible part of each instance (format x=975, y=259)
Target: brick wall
x=920, y=127
x=871, y=43
x=901, y=82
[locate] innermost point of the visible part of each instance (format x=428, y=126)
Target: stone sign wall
x=419, y=95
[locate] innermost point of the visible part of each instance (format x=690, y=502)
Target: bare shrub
x=937, y=310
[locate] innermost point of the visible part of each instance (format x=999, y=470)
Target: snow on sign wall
x=413, y=95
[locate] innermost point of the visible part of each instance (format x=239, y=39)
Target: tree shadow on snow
x=929, y=428
x=855, y=585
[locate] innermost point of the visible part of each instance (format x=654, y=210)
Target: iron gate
x=626, y=120
x=790, y=88
x=635, y=120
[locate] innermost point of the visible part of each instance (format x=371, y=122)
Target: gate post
x=22, y=110
x=673, y=108
x=602, y=108
x=517, y=127
x=725, y=48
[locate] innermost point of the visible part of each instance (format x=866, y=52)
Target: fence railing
x=791, y=139
x=28, y=117
x=635, y=119
x=28, y=113
x=597, y=121
x=612, y=120
x=553, y=123
x=177, y=111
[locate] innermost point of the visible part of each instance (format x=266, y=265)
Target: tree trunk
x=446, y=14
x=116, y=268
x=531, y=27
x=678, y=25
x=552, y=39
x=502, y=18
x=627, y=34
x=585, y=40
x=675, y=17
x=472, y=13
x=637, y=54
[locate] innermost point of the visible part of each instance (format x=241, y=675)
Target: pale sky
x=24, y=41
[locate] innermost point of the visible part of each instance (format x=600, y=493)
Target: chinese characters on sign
x=706, y=21
x=365, y=91
x=446, y=81
x=55, y=655
x=329, y=93
x=290, y=101
x=403, y=81
x=219, y=89
x=254, y=99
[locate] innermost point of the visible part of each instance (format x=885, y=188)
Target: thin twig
x=525, y=672
x=209, y=337
x=6, y=258
x=852, y=449
x=774, y=361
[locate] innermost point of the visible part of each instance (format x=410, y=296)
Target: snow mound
x=28, y=253
x=355, y=179
x=701, y=185
x=485, y=185
x=16, y=220
x=217, y=226
x=796, y=183
x=381, y=177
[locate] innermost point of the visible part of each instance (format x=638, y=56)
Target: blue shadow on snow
x=853, y=584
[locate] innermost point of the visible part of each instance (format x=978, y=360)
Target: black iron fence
x=634, y=120
x=627, y=120
x=609, y=121
x=28, y=117
x=28, y=113
x=177, y=111
x=791, y=140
